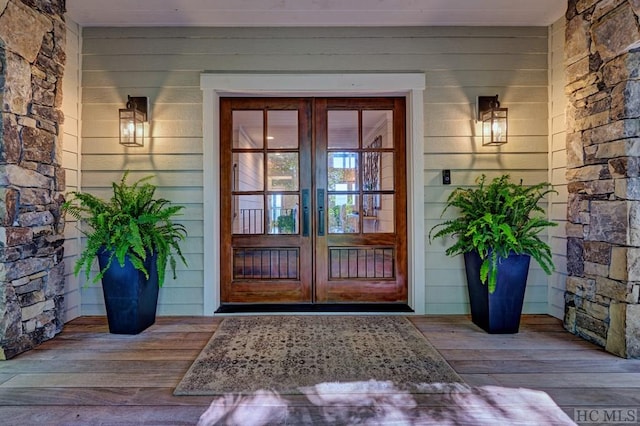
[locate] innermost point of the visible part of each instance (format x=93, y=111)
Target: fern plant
x=132, y=223
x=497, y=219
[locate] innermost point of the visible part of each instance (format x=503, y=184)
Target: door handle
x=234, y=178
x=305, y=212
x=320, y=201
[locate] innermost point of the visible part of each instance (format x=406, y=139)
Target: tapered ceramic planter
x=130, y=298
x=498, y=312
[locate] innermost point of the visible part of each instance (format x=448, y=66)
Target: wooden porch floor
x=87, y=376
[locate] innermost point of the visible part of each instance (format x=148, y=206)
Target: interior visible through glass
x=283, y=214
x=248, y=130
x=342, y=129
x=282, y=129
x=342, y=171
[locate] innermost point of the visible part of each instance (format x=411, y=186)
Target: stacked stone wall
x=602, y=54
x=32, y=58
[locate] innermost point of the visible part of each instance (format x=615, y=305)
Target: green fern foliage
x=495, y=219
x=132, y=223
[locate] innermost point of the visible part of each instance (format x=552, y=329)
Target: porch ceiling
x=286, y=13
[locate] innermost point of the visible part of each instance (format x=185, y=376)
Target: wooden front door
x=313, y=200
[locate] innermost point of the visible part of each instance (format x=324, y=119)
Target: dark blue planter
x=498, y=312
x=130, y=298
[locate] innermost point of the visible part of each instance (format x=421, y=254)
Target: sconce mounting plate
x=141, y=103
x=484, y=103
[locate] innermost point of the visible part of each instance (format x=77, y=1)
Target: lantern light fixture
x=132, y=121
x=494, y=120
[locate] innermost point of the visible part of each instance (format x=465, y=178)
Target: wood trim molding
x=409, y=85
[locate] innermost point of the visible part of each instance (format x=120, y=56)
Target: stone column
x=602, y=54
x=32, y=58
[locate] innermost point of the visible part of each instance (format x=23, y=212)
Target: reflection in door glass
x=378, y=214
x=342, y=129
x=248, y=214
x=386, y=171
x=247, y=129
x=377, y=128
x=342, y=171
x=247, y=170
x=282, y=129
x=283, y=214
x=344, y=217
x=377, y=171
x=282, y=173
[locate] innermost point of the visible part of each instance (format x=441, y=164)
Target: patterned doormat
x=286, y=353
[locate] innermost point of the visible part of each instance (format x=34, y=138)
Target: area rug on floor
x=286, y=353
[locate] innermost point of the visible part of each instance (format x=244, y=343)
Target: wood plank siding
x=557, y=166
x=71, y=162
x=459, y=64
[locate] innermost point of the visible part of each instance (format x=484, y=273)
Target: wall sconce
x=494, y=120
x=132, y=119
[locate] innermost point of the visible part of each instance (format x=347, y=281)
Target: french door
x=313, y=200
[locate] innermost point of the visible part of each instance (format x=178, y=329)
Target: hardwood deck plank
x=549, y=366
x=5, y=376
x=112, y=379
x=132, y=354
x=161, y=396
x=183, y=328
x=159, y=336
x=142, y=396
x=173, y=320
x=21, y=366
x=106, y=415
x=531, y=354
x=120, y=345
x=160, y=320
x=594, y=397
x=531, y=342
x=551, y=380
x=526, y=320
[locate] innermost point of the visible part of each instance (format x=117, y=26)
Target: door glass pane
x=370, y=205
x=378, y=214
x=283, y=214
x=343, y=214
x=248, y=129
x=248, y=214
x=248, y=171
x=342, y=129
x=377, y=171
x=371, y=171
x=282, y=173
x=342, y=171
x=377, y=129
x=386, y=171
x=282, y=129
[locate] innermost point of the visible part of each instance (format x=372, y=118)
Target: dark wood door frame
x=380, y=290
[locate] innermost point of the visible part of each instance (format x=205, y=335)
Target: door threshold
x=252, y=308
